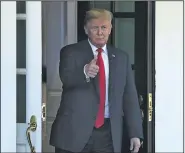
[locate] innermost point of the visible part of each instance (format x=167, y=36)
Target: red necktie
x=100, y=116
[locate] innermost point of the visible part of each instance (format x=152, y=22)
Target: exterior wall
x=169, y=76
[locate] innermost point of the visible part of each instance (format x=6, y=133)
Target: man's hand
x=92, y=69
x=135, y=144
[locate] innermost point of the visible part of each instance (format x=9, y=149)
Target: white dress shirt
x=106, y=65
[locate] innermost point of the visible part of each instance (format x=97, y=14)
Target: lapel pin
x=113, y=55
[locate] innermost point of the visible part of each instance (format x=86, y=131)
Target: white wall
x=169, y=76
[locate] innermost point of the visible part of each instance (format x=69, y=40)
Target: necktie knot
x=99, y=50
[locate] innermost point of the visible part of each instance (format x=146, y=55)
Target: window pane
x=21, y=98
x=100, y=4
x=125, y=36
x=21, y=6
x=124, y=6
x=21, y=44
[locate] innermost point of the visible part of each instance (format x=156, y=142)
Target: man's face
x=98, y=31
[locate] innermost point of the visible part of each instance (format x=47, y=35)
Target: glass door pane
x=124, y=6
x=125, y=36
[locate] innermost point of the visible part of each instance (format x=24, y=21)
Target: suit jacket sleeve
x=71, y=73
x=132, y=113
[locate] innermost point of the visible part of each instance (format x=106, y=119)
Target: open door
x=29, y=85
x=21, y=76
x=150, y=147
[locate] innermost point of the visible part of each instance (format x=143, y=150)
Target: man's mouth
x=100, y=38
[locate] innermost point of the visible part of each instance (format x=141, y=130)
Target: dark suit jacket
x=79, y=103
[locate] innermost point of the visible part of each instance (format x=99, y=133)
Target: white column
x=33, y=66
x=169, y=76
x=8, y=76
x=71, y=22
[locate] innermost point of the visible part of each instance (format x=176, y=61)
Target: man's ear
x=110, y=29
x=86, y=31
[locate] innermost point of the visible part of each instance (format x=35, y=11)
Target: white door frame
x=71, y=22
x=8, y=76
x=9, y=134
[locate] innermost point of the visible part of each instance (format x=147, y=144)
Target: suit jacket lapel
x=112, y=71
x=87, y=51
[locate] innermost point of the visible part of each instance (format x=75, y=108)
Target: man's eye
x=95, y=27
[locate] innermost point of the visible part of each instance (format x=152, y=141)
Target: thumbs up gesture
x=92, y=69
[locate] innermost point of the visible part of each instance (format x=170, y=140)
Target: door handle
x=150, y=107
x=32, y=128
x=43, y=111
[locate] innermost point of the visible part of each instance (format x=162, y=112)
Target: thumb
x=94, y=60
x=131, y=145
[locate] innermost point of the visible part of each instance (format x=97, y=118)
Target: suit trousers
x=99, y=142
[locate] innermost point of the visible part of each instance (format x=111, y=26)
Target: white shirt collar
x=94, y=48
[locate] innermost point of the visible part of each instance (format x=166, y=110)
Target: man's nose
x=100, y=31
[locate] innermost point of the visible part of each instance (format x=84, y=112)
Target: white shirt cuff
x=87, y=77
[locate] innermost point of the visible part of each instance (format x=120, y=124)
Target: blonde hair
x=96, y=13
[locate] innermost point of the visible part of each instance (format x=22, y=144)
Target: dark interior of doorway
x=140, y=65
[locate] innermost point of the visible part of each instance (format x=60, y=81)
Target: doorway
x=136, y=38
x=139, y=31
x=133, y=31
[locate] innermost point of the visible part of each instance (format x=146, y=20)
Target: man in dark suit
x=98, y=90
